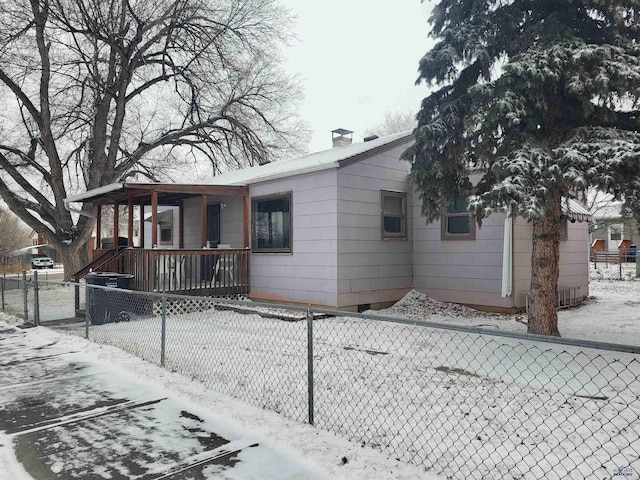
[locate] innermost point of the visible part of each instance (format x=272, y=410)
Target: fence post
x=310, y=363
x=595, y=259
x=36, y=300
x=76, y=299
x=163, y=337
x=88, y=298
x=25, y=295
x=2, y=287
x=620, y=268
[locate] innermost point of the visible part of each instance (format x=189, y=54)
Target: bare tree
x=394, y=122
x=97, y=91
x=13, y=233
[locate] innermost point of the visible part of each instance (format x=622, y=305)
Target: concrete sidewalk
x=67, y=416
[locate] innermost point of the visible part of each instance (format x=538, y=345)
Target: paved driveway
x=66, y=416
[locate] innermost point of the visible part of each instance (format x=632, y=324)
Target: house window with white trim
x=394, y=214
x=457, y=222
x=616, y=232
x=271, y=223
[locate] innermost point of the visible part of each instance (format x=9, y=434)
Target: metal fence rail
x=614, y=266
x=462, y=401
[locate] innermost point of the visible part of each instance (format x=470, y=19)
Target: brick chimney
x=341, y=137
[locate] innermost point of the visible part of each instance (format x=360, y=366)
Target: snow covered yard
x=468, y=405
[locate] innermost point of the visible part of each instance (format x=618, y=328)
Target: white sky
x=358, y=60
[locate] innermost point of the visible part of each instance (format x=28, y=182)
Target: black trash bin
x=107, y=305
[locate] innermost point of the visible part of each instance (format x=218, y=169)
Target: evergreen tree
x=541, y=98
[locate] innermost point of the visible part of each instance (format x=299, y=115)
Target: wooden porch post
x=98, y=227
x=154, y=219
x=130, y=226
x=246, y=221
x=181, y=224
x=142, y=225
x=203, y=221
x=116, y=224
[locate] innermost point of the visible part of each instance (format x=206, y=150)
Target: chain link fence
x=17, y=296
x=608, y=266
x=461, y=401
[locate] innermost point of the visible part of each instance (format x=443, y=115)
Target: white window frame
x=402, y=234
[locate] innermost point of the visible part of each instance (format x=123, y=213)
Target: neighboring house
x=611, y=231
x=340, y=228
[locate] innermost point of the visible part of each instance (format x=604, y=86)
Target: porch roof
x=166, y=192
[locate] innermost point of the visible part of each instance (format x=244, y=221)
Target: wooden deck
x=210, y=272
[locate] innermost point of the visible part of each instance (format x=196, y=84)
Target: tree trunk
x=545, y=256
x=74, y=257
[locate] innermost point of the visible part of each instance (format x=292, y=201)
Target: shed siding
x=463, y=271
x=371, y=270
x=309, y=273
x=574, y=266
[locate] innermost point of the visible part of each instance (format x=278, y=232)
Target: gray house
x=342, y=229
x=611, y=230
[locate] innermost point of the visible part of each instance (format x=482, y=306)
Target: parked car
x=41, y=262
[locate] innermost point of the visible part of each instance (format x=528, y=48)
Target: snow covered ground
x=322, y=451
x=473, y=406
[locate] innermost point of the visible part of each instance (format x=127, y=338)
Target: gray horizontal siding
x=309, y=273
x=371, y=269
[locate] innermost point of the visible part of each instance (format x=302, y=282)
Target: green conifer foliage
x=538, y=97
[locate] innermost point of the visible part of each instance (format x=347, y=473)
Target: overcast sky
x=358, y=60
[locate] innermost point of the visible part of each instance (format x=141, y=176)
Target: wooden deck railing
x=190, y=272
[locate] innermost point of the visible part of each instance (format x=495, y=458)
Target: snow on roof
x=575, y=210
x=608, y=210
x=112, y=187
x=314, y=162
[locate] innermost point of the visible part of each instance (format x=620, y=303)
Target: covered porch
x=174, y=238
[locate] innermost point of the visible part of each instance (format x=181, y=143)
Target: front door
x=207, y=265
x=213, y=224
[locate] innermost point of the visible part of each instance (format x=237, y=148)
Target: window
x=166, y=236
x=271, y=223
x=457, y=222
x=564, y=228
x=616, y=232
x=394, y=214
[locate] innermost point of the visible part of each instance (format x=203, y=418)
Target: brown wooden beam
x=181, y=225
x=203, y=221
x=191, y=189
x=154, y=219
x=116, y=224
x=130, y=225
x=98, y=227
x=141, y=226
x=246, y=221
x=170, y=190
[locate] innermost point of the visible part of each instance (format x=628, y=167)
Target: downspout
x=507, y=257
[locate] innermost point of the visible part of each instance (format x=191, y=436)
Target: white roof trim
x=95, y=192
x=575, y=210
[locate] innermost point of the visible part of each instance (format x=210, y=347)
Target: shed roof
x=575, y=210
